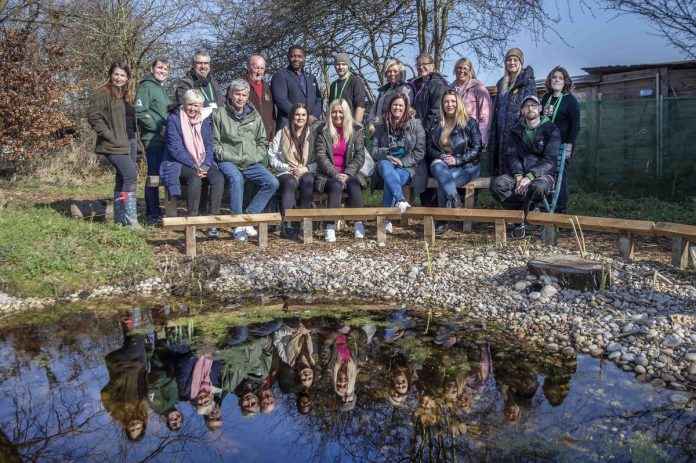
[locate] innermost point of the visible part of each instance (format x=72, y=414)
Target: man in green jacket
x=241, y=147
x=151, y=103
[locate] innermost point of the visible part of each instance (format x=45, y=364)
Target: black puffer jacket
x=426, y=101
x=538, y=158
x=465, y=143
x=510, y=104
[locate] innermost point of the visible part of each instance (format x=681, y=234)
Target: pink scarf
x=193, y=140
x=200, y=381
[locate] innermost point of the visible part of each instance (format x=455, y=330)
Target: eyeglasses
x=422, y=65
x=201, y=62
x=530, y=106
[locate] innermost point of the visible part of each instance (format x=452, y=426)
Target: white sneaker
x=388, y=226
x=240, y=234
x=330, y=234
x=251, y=231
x=402, y=205
x=359, y=230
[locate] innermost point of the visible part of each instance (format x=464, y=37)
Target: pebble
x=614, y=347
x=520, y=286
x=639, y=369
x=690, y=356
x=548, y=291
x=534, y=295
x=552, y=347
x=657, y=382
x=680, y=400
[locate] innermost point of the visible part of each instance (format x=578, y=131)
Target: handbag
x=368, y=167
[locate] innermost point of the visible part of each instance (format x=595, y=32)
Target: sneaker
x=330, y=235
x=212, y=233
x=359, y=230
x=388, y=226
x=240, y=234
x=251, y=231
x=403, y=205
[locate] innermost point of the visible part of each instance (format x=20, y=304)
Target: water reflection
x=144, y=386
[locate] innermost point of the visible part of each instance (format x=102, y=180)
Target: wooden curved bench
x=308, y=216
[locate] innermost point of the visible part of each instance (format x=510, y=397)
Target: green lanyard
x=210, y=89
x=556, y=106
x=345, y=82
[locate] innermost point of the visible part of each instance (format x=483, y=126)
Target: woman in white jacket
x=291, y=156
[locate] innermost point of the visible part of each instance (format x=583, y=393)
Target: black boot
x=454, y=201
x=288, y=231
x=441, y=227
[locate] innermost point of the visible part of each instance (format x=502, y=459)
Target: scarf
x=299, y=339
x=200, y=381
x=193, y=139
x=289, y=149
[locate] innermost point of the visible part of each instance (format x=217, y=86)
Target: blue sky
x=599, y=40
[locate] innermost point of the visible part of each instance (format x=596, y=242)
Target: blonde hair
x=460, y=117
x=394, y=62
x=351, y=373
x=347, y=121
x=467, y=61
x=508, y=80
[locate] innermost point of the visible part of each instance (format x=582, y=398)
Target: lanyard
x=210, y=89
x=345, y=82
x=556, y=106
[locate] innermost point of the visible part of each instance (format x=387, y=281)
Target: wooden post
x=381, y=231
x=170, y=205
x=549, y=235
x=680, y=252
x=626, y=245
x=263, y=235
x=307, y=230
x=191, y=241
x=469, y=203
x=429, y=230
x=409, y=194
x=500, y=232
x=109, y=211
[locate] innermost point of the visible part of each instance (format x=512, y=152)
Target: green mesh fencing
x=644, y=147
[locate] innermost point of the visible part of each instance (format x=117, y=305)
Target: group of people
x=314, y=362
x=278, y=137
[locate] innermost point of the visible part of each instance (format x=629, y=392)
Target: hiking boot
x=240, y=234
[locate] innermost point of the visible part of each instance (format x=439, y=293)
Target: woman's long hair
x=460, y=117
x=347, y=121
x=389, y=118
x=567, y=81
x=126, y=94
x=298, y=141
x=509, y=80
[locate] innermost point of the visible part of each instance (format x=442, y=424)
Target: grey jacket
x=323, y=155
x=414, y=157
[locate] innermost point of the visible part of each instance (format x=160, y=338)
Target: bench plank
x=238, y=220
x=670, y=230
x=602, y=224
x=357, y=213
x=478, y=215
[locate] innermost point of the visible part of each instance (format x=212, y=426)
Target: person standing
x=395, y=75
x=348, y=87
x=112, y=116
x=151, y=104
x=477, y=100
x=199, y=77
x=293, y=85
x=261, y=97
x=516, y=85
x=428, y=89
x=564, y=110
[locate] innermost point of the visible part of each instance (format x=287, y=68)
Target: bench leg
x=109, y=211
x=500, y=232
x=307, y=230
x=680, y=252
x=191, y=241
x=170, y=205
x=469, y=203
x=429, y=230
x=263, y=235
x=626, y=245
x=381, y=231
x=550, y=235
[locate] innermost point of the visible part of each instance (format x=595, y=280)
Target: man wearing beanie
x=348, y=87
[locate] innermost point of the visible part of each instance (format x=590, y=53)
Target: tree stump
x=572, y=272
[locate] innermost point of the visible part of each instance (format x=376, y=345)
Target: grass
x=43, y=253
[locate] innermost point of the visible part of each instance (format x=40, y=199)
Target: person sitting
x=241, y=147
x=398, y=148
x=189, y=157
x=291, y=155
x=531, y=155
x=340, y=153
x=455, y=143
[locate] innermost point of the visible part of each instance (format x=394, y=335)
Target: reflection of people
x=296, y=348
x=519, y=383
x=162, y=390
x=400, y=381
x=124, y=396
x=304, y=403
x=344, y=371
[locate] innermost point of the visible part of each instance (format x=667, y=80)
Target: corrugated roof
x=615, y=69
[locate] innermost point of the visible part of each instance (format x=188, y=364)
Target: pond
x=298, y=383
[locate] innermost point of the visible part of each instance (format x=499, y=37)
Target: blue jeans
x=394, y=178
x=450, y=178
x=258, y=330
x=154, y=156
x=256, y=174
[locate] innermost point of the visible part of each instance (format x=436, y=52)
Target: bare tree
x=674, y=19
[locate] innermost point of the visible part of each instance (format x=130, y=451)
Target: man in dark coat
x=199, y=77
x=531, y=156
x=292, y=85
x=260, y=96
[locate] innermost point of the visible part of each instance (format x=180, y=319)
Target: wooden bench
x=378, y=214
x=469, y=192
x=682, y=237
x=430, y=214
x=240, y=220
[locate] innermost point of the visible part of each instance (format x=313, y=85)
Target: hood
x=526, y=74
x=150, y=78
